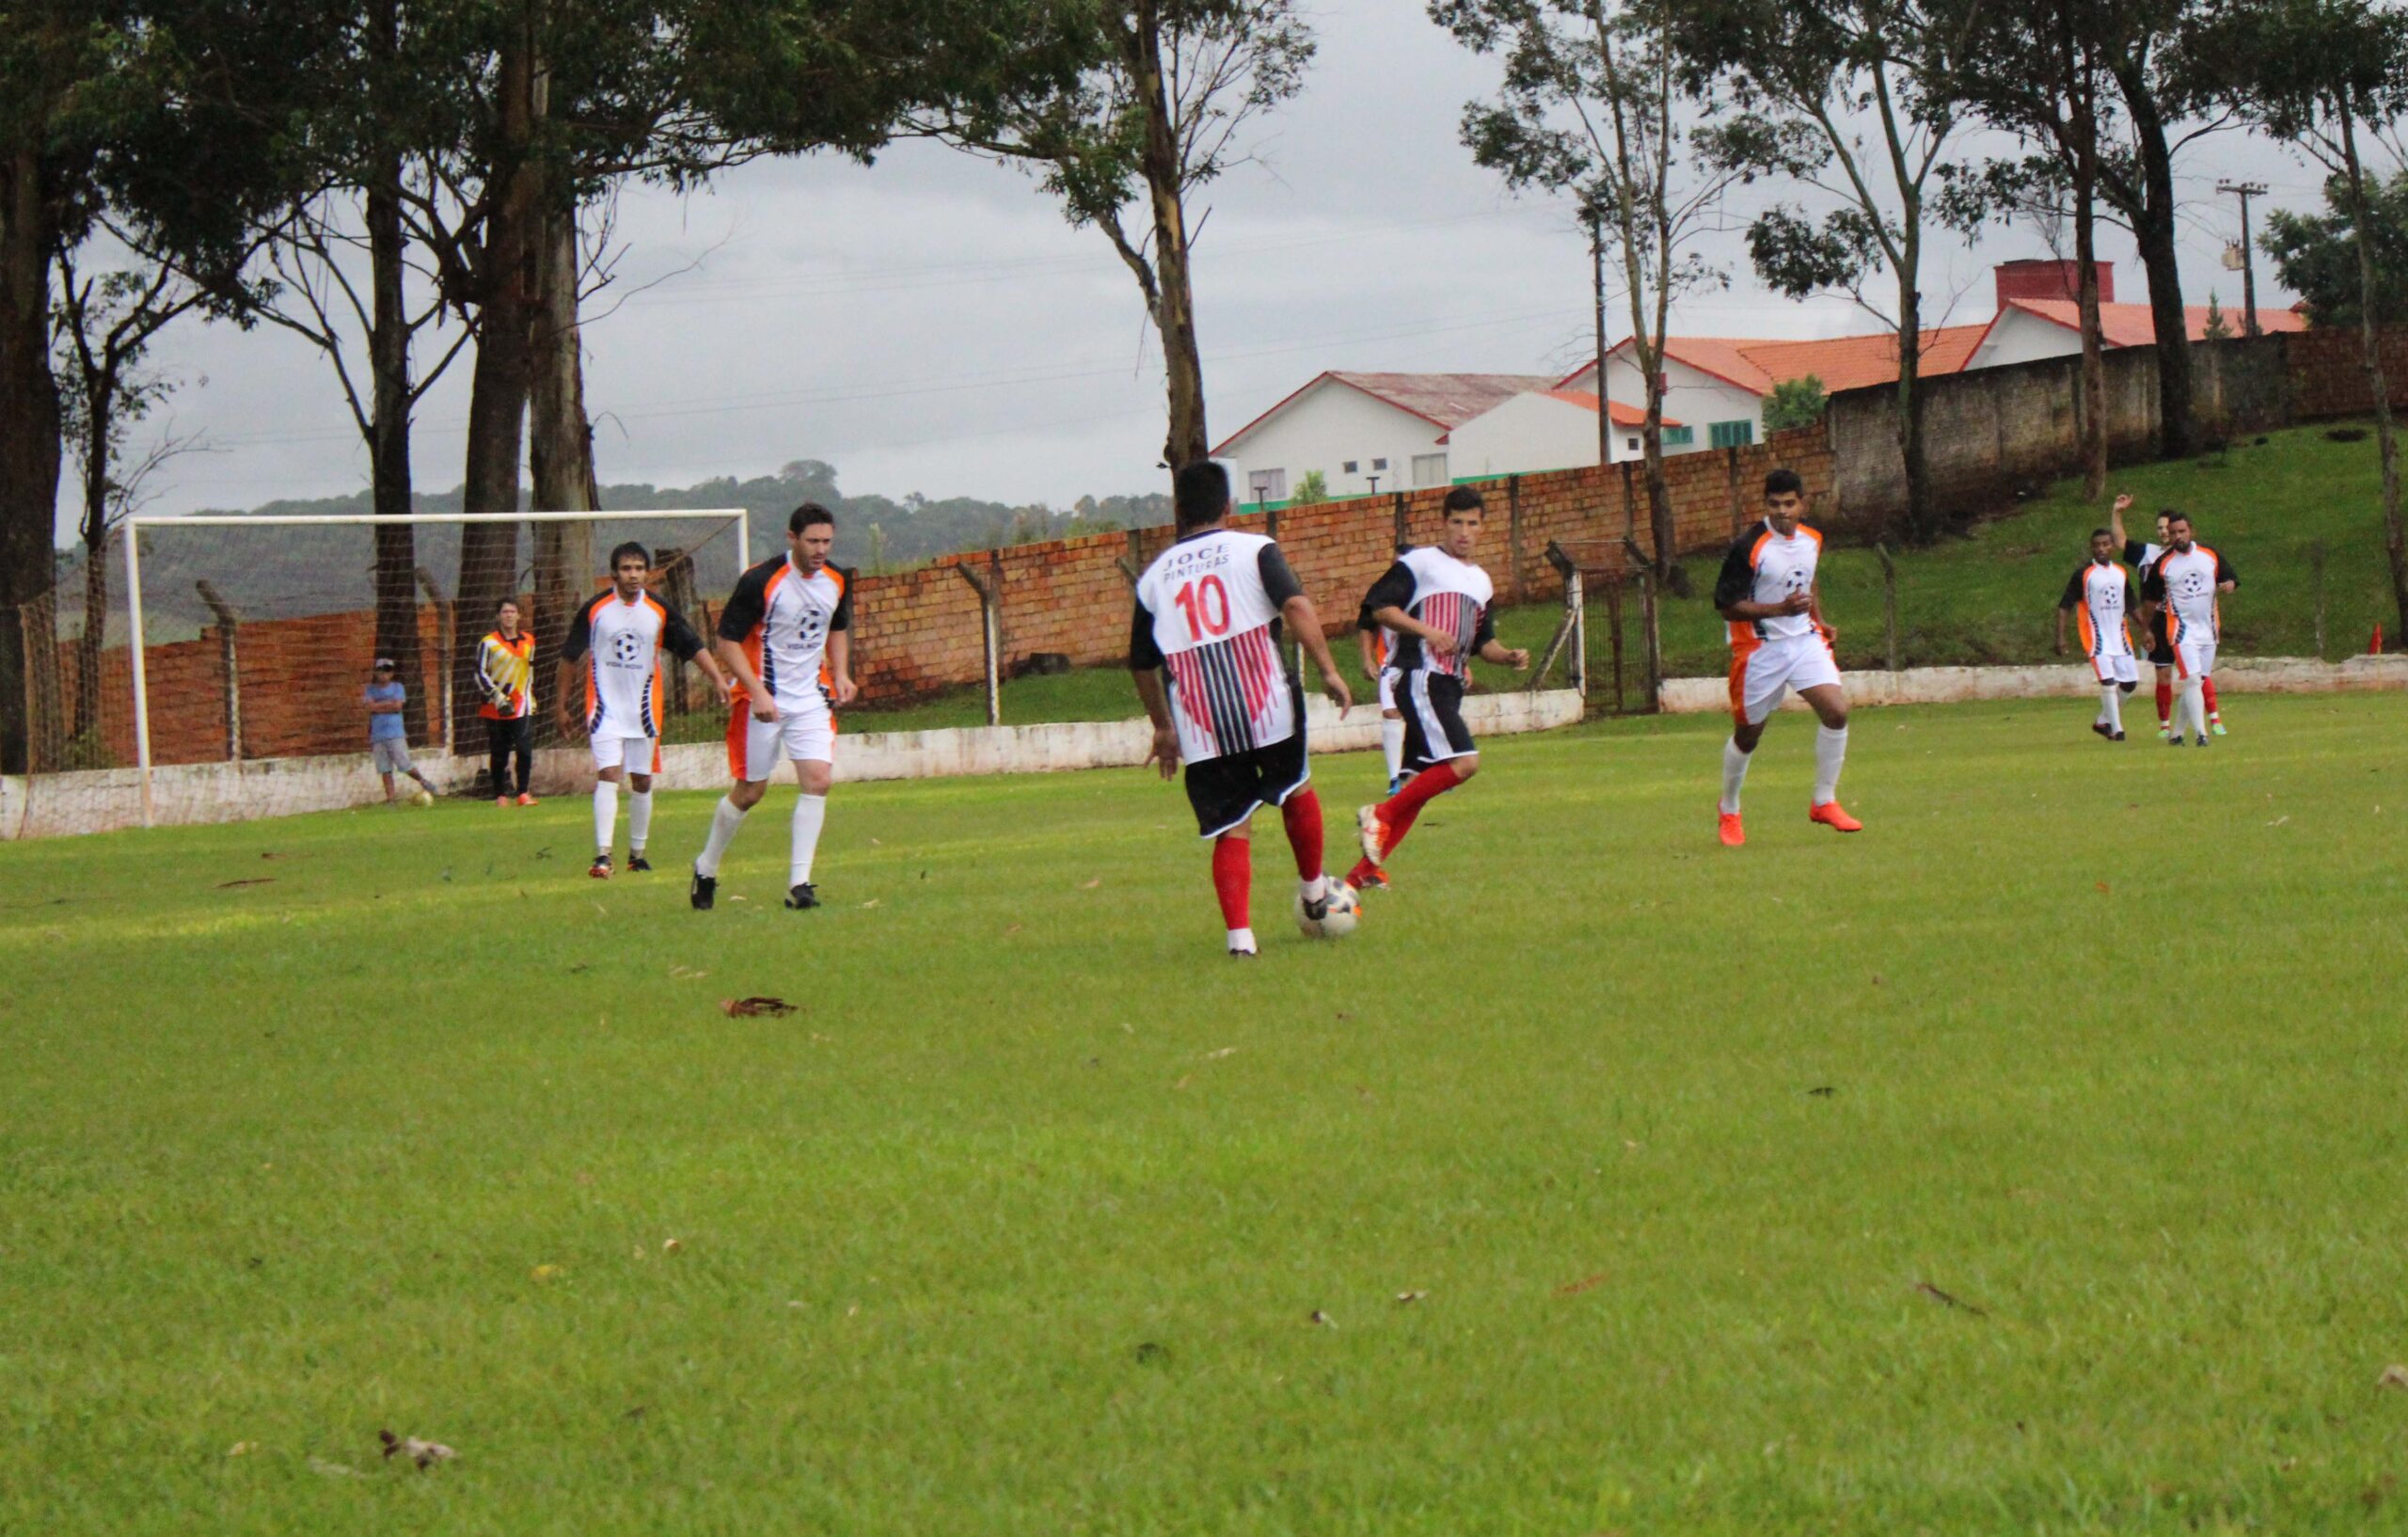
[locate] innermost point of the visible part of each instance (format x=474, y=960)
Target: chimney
x=2050, y=279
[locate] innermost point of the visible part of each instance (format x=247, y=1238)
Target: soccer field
x=2032, y=1162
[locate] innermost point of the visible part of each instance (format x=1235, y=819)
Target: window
x=1351, y=467
x=1378, y=465
x=1679, y=436
x=1266, y=485
x=1429, y=469
x=1631, y=443
x=1731, y=435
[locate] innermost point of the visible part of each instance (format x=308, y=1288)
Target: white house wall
x=1692, y=397
x=2022, y=337
x=1529, y=433
x=1329, y=424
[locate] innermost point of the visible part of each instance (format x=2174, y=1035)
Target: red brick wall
x=2329, y=375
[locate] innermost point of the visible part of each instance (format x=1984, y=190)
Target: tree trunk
x=99, y=412
x=2153, y=230
x=560, y=440
x=498, y=385
x=1923, y=520
x=388, y=448
x=29, y=456
x=2378, y=385
x=2084, y=99
x=1175, y=305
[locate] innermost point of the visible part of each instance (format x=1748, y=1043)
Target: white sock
x=1392, y=745
x=2192, y=707
x=1734, y=773
x=810, y=811
x=2109, y=716
x=1830, y=751
x=638, y=819
x=1315, y=889
x=725, y=818
x=606, y=813
x=1242, y=939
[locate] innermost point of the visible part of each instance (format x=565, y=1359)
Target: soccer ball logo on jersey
x=2191, y=584
x=627, y=649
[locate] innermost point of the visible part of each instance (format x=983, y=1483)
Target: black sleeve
x=1394, y=589
x=683, y=642
x=1737, y=582
x=2072, y=600
x=2225, y=572
x=2135, y=551
x=843, y=617
x=580, y=633
x=1144, y=656
x=1277, y=580
x=2153, y=588
x=1485, y=631
x=748, y=605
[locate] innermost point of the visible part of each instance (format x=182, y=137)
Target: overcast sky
x=931, y=323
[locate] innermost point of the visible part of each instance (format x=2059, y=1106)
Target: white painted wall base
x=184, y=794
x=1956, y=685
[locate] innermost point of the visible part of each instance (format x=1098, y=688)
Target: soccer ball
x=424, y=798
x=1345, y=912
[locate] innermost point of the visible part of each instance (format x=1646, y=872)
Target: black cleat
x=704, y=892
x=600, y=868
x=2104, y=730
x=1244, y=955
x=802, y=896
x=637, y=862
x=2175, y=741
x=2117, y=737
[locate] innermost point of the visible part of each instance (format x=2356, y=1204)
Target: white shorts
x=636, y=755
x=2116, y=669
x=1387, y=689
x=755, y=748
x=2196, y=659
x=1764, y=675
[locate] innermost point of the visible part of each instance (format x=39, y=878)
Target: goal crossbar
x=134, y=527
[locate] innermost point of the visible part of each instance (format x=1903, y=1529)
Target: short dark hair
x=505, y=603
x=630, y=548
x=809, y=514
x=1200, y=493
x=1784, y=482
x=1463, y=499
x=2102, y=533
x=2172, y=515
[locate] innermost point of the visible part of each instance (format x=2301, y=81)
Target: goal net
x=216, y=672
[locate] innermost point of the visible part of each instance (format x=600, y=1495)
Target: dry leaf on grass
x=871, y=903
x=741, y=1008
x=1092, y=884
x=1823, y=1091
x=546, y=1273
x=687, y=973
x=1322, y=1319
x=334, y=1470
x=255, y=880
x=1404, y=1297
x=242, y=1448
x=2394, y=1375
x=670, y=1246
x=425, y=1453
x=1215, y=1057
x=1939, y=1296
x=1572, y=1289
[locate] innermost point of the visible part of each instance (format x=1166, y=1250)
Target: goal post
x=222, y=659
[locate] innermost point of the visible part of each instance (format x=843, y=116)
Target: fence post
x=443, y=638
x=2316, y=568
x=1889, y=602
x=1614, y=617
x=228, y=658
x=990, y=634
x=1650, y=637
x=1569, y=631
x=141, y=686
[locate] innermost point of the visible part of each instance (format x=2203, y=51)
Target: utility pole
x=2244, y=191
x=1597, y=293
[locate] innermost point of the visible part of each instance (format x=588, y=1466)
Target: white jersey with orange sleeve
x=2101, y=596
x=2191, y=579
x=1772, y=655
x=1207, y=613
x=783, y=619
x=620, y=643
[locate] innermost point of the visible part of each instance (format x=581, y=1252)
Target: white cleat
x=1368, y=832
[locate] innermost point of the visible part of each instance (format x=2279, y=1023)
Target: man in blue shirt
x=388, y=744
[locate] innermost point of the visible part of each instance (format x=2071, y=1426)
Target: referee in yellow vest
x=506, y=673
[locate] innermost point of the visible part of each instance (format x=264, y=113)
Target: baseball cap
x=383, y=663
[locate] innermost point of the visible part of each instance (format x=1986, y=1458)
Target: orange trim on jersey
x=2088, y=631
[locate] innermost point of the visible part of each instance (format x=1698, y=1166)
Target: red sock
x=2207, y=691
x=1398, y=814
x=1302, y=815
x=1232, y=878
x=1361, y=874
x=2164, y=701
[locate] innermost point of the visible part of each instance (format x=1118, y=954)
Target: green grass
x=1018, y=1226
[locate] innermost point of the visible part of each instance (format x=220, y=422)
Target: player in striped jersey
x=1436, y=602
x=786, y=636
x=619, y=636
x=2101, y=593
x=1779, y=642
x=1208, y=619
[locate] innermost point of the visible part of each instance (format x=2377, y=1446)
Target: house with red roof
x=1363, y=432
x=1550, y=429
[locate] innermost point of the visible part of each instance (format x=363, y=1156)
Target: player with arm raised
x=786, y=636
x=619, y=636
x=1437, y=604
x=1204, y=650
x=2100, y=592
x=2190, y=578
x=2142, y=557
x=1769, y=594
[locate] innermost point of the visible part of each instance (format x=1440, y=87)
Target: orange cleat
x=1732, y=834
x=528, y=801
x=1831, y=816
x=501, y=801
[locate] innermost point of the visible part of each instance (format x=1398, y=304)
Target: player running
x=1208, y=618
x=1769, y=594
x=1378, y=646
x=786, y=636
x=1437, y=604
x=2190, y=576
x=619, y=636
x=2101, y=590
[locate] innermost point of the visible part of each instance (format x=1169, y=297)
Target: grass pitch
x=2030, y=1162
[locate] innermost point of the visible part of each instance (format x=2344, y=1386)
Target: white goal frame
x=134, y=527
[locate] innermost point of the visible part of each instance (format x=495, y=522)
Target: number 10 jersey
x=1208, y=614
